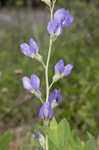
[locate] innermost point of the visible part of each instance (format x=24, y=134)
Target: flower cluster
x=62, y=18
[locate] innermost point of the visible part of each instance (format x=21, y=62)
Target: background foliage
x=78, y=45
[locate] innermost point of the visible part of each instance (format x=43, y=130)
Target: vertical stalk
x=46, y=142
x=48, y=58
x=46, y=69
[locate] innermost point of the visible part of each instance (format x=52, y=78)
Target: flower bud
x=48, y=2
x=40, y=138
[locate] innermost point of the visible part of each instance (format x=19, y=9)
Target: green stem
x=46, y=70
x=51, y=85
x=48, y=59
x=46, y=142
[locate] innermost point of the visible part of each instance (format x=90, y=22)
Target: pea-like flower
x=31, y=84
x=54, y=28
x=46, y=111
x=62, y=18
x=55, y=98
x=31, y=49
x=61, y=70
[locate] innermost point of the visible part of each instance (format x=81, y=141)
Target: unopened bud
x=48, y=2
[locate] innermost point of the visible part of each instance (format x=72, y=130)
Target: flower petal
x=46, y=112
x=54, y=27
x=67, y=70
x=55, y=97
x=27, y=83
x=35, y=81
x=59, y=97
x=33, y=46
x=59, y=67
x=25, y=49
x=59, y=15
x=52, y=96
x=51, y=112
x=68, y=20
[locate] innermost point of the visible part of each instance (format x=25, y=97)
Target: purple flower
x=29, y=50
x=46, y=111
x=60, y=14
x=38, y=135
x=54, y=27
x=63, y=70
x=31, y=84
x=55, y=95
x=62, y=18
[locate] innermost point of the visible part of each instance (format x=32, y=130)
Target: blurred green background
x=79, y=45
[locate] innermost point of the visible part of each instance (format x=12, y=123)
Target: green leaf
x=53, y=124
x=64, y=133
x=53, y=135
x=90, y=145
x=90, y=136
x=5, y=140
x=60, y=136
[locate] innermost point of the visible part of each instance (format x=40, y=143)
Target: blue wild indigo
x=31, y=84
x=63, y=17
x=31, y=49
x=60, y=19
x=63, y=70
x=55, y=98
x=46, y=111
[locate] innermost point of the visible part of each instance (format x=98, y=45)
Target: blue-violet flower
x=31, y=84
x=46, y=111
x=63, y=70
x=31, y=49
x=62, y=18
x=55, y=98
